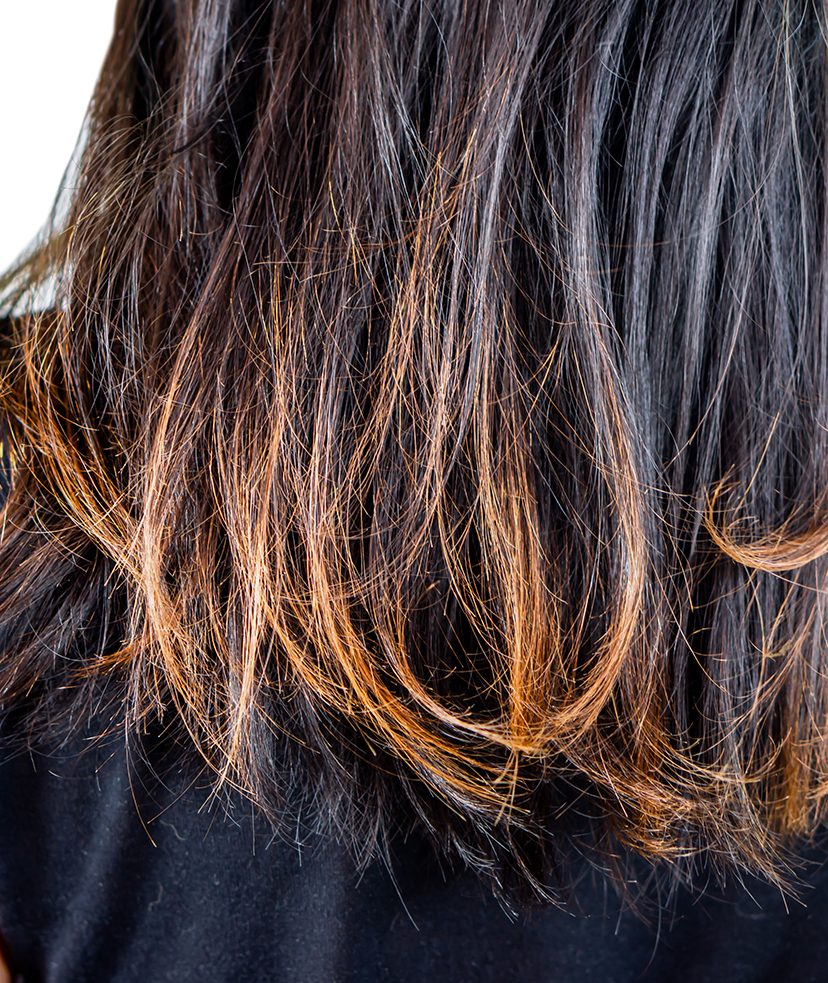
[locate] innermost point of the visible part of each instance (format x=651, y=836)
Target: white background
x=50, y=55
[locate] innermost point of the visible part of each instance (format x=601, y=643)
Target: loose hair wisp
x=437, y=394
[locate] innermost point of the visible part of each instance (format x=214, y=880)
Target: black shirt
x=119, y=866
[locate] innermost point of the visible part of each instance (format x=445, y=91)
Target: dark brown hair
x=441, y=390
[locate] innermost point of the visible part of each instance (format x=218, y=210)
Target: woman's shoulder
x=122, y=861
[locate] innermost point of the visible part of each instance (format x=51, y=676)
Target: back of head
x=441, y=391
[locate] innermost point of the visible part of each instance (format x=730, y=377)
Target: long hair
x=440, y=391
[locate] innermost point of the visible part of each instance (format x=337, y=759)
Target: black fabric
x=117, y=868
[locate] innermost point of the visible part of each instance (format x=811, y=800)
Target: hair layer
x=440, y=389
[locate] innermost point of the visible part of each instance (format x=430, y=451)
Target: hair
x=440, y=391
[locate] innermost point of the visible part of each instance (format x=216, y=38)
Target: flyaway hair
x=440, y=391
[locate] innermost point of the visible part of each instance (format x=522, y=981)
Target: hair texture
x=440, y=391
